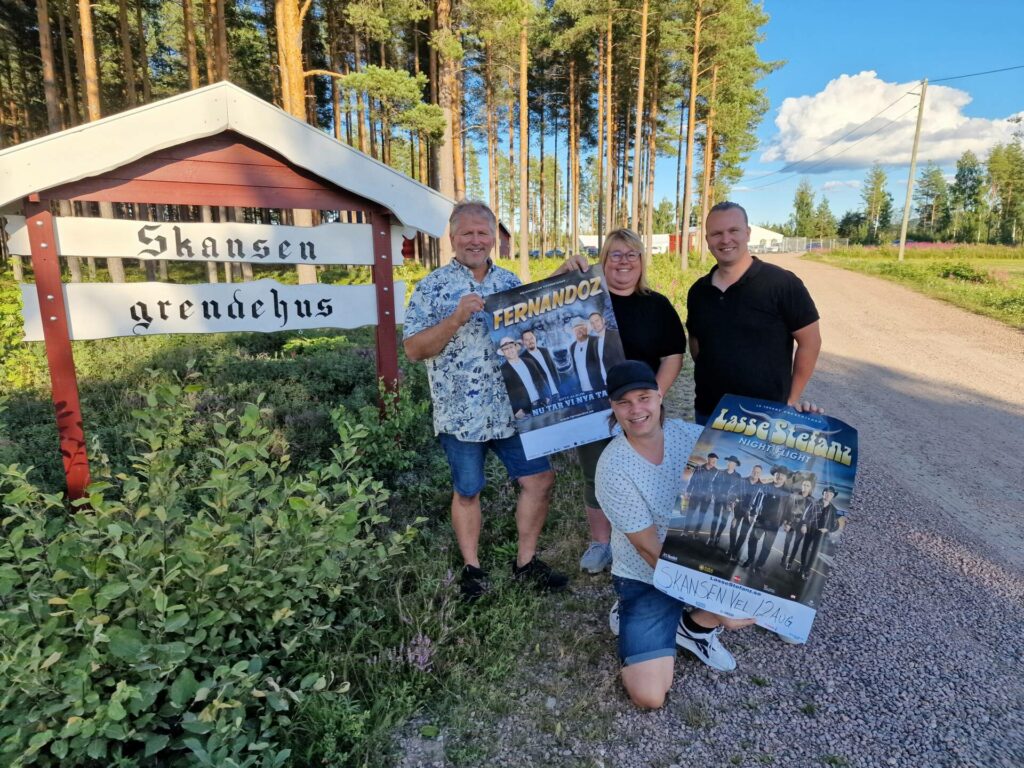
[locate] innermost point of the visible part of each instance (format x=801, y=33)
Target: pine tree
x=804, y=223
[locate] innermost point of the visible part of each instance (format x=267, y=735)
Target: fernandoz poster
x=758, y=528
x=555, y=341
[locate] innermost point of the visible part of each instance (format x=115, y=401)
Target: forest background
x=553, y=113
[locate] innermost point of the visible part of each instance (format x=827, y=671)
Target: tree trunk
x=332, y=62
x=652, y=156
x=69, y=82
x=269, y=25
x=127, y=60
x=446, y=100
x=67, y=210
x=709, y=162
x=49, y=70
x=609, y=145
x=680, y=249
x=458, y=135
x=114, y=266
x=690, y=124
x=600, y=141
x=147, y=90
x=360, y=116
x=191, y=56
x=492, y=130
x=288, y=28
x=541, y=221
x=572, y=164
x=92, y=86
x=209, y=39
x=638, y=135
x=511, y=173
x=206, y=214
x=221, y=29
x=76, y=36
x=524, y=158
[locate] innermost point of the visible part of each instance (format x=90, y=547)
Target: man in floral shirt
x=446, y=328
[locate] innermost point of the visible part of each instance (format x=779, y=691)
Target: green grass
x=987, y=279
x=474, y=652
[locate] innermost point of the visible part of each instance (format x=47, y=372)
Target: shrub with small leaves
x=167, y=622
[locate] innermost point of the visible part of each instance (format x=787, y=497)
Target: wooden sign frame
x=226, y=169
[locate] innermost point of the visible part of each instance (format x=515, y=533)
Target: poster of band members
x=555, y=341
x=757, y=530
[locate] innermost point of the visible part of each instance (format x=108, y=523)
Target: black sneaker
x=541, y=575
x=473, y=583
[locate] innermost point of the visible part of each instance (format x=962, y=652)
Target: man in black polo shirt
x=743, y=318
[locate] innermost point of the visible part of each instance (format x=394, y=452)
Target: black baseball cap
x=630, y=375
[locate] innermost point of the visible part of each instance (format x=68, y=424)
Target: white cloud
x=828, y=186
x=808, y=124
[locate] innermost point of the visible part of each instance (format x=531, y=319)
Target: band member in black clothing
x=526, y=384
x=826, y=519
x=748, y=506
x=794, y=525
x=702, y=488
x=541, y=356
x=728, y=487
x=586, y=363
x=609, y=344
x=766, y=524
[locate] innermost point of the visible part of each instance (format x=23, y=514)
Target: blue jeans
x=467, y=461
x=648, y=619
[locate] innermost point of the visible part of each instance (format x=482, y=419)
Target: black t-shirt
x=745, y=333
x=649, y=327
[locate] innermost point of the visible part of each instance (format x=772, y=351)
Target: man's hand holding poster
x=555, y=341
x=756, y=531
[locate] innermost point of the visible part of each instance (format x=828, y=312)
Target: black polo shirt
x=745, y=333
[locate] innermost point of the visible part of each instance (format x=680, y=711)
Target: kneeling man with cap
x=639, y=477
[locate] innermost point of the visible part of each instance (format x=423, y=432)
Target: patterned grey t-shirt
x=636, y=494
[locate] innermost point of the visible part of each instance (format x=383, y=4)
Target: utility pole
x=913, y=168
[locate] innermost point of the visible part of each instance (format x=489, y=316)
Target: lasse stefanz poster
x=756, y=532
x=555, y=340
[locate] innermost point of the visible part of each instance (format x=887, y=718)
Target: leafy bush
x=962, y=271
x=171, y=622
x=17, y=363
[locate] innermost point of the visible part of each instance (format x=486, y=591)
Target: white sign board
x=268, y=244
x=104, y=310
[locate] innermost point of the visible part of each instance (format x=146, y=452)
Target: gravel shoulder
x=916, y=656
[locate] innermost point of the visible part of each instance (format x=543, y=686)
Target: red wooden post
x=384, y=283
x=63, y=382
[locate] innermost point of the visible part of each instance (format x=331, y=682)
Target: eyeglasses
x=630, y=256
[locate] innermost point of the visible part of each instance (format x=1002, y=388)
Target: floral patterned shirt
x=470, y=401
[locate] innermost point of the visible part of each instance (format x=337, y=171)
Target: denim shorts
x=467, y=461
x=648, y=620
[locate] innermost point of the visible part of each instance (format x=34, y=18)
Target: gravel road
x=917, y=656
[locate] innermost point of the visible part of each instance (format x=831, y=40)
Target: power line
x=857, y=128
x=831, y=143
x=976, y=74
x=840, y=152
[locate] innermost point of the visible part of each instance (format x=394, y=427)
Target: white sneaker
x=613, y=618
x=706, y=647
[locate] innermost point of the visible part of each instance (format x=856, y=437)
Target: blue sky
x=900, y=41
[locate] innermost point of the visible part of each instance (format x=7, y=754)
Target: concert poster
x=759, y=526
x=555, y=341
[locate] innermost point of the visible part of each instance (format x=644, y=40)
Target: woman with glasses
x=651, y=331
